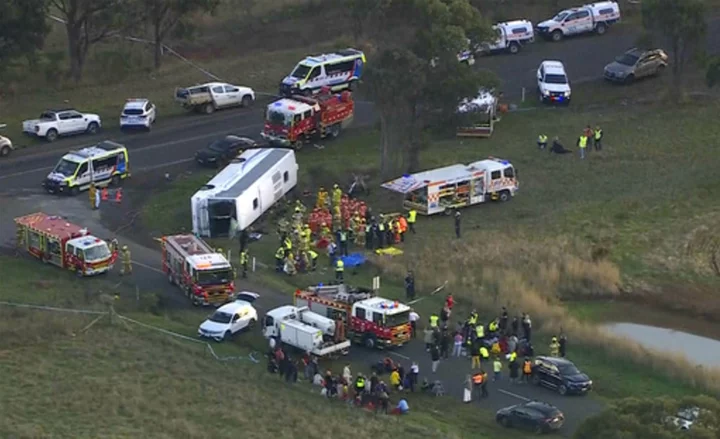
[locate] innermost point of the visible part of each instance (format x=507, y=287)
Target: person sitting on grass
x=557, y=148
x=402, y=408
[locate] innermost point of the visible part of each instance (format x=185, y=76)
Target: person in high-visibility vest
x=434, y=321
x=402, y=222
x=127, y=261
x=480, y=331
x=322, y=198
x=412, y=217
x=477, y=380
x=343, y=241
x=244, y=257
x=280, y=259
x=527, y=370
x=474, y=316
x=597, y=137
x=554, y=347
x=339, y=269
x=484, y=355
x=336, y=195
x=313, y=259
x=542, y=141
x=92, y=192
x=582, y=145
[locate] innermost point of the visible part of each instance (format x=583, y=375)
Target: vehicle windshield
x=219, y=145
x=626, y=59
x=301, y=71
x=220, y=317
x=133, y=111
x=398, y=319
x=215, y=277
x=47, y=116
x=278, y=118
x=568, y=370
x=560, y=17
x=555, y=79
x=97, y=253
x=66, y=167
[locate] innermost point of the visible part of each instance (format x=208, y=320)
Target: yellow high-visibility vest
x=583, y=141
x=412, y=216
x=339, y=265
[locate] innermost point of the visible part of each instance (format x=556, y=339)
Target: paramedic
x=339, y=269
x=582, y=144
x=412, y=217
x=244, y=262
x=542, y=141
x=126, y=260
x=598, y=138
x=280, y=259
x=343, y=239
x=313, y=259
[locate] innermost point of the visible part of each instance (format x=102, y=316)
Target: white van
x=103, y=164
x=593, y=17
x=339, y=71
x=511, y=36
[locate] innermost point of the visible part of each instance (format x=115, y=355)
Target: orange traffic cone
x=104, y=194
x=118, y=196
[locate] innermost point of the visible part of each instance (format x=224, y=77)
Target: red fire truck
x=206, y=277
x=368, y=320
x=56, y=241
x=291, y=122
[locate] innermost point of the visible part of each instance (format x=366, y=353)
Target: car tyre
x=562, y=389
x=505, y=422
x=658, y=72
x=370, y=342
x=514, y=48
x=601, y=29
x=556, y=36
x=504, y=196
x=538, y=429
x=251, y=324
x=209, y=108
x=74, y=191
x=51, y=135
x=92, y=128
x=536, y=380
x=246, y=101
x=227, y=336
x=630, y=79
x=5, y=151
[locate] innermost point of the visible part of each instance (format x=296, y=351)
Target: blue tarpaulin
x=353, y=260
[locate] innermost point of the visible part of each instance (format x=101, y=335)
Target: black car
x=560, y=374
x=221, y=151
x=536, y=416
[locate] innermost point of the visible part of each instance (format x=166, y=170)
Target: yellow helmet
x=335, y=186
x=554, y=339
x=124, y=247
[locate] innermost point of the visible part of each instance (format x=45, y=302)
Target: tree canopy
x=638, y=418
x=23, y=27
x=415, y=79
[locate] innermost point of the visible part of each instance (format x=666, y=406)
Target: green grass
x=139, y=383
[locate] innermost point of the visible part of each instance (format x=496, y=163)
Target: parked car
x=206, y=98
x=64, y=122
x=221, y=151
x=538, y=417
x=553, y=83
x=138, y=113
x=635, y=64
x=231, y=318
x=6, y=145
x=560, y=374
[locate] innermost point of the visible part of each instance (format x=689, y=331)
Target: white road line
x=400, y=355
x=136, y=151
x=514, y=395
x=149, y=267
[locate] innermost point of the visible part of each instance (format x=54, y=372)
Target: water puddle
x=699, y=350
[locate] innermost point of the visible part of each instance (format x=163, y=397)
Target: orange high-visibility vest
x=403, y=224
x=477, y=378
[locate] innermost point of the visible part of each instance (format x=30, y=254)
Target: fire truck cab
x=291, y=122
x=374, y=322
x=206, y=277
x=56, y=241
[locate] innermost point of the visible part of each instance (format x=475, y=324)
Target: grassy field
x=143, y=383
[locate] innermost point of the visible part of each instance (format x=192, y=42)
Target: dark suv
x=560, y=374
x=221, y=151
x=536, y=416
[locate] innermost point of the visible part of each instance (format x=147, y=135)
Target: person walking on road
x=527, y=326
x=582, y=145
x=542, y=141
x=483, y=385
x=339, y=270
x=126, y=261
x=475, y=356
x=445, y=341
x=514, y=367
x=527, y=370
x=435, y=357
x=563, y=343
x=457, y=224
x=457, y=345
x=497, y=369
x=515, y=326
x=413, y=317
x=484, y=356
x=414, y=374
x=429, y=338
x=468, y=389
x=244, y=262
x=412, y=218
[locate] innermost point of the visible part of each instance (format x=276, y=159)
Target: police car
x=137, y=113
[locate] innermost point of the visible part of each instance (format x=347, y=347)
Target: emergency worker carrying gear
x=126, y=260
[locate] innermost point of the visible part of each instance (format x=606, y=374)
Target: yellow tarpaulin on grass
x=390, y=251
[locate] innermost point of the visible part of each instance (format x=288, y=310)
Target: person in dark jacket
x=515, y=326
x=435, y=357
x=557, y=148
x=503, y=324
x=514, y=367
x=410, y=286
x=445, y=344
x=563, y=343
x=457, y=224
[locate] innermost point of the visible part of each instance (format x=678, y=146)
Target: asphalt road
x=174, y=141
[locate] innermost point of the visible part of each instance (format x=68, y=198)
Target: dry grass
x=487, y=270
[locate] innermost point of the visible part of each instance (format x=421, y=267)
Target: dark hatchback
x=221, y=151
x=538, y=417
x=561, y=375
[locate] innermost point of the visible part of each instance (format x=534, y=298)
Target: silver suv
x=635, y=64
x=6, y=145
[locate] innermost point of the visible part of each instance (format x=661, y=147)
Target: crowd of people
x=587, y=139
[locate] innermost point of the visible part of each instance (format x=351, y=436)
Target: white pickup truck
x=206, y=98
x=55, y=123
x=6, y=145
x=593, y=17
x=303, y=329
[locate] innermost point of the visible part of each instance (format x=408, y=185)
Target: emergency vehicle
x=339, y=71
x=369, y=320
x=54, y=240
x=452, y=187
x=511, y=36
x=104, y=164
x=593, y=17
x=206, y=277
x=290, y=122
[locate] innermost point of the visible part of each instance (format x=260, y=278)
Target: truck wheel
x=92, y=128
x=536, y=380
x=562, y=389
x=601, y=28
x=556, y=36
x=171, y=281
x=209, y=108
x=370, y=342
x=74, y=191
x=504, y=196
x=514, y=48
x=246, y=102
x=297, y=145
x=51, y=135
x=78, y=272
x=5, y=151
x=115, y=181
x=334, y=131
x=352, y=86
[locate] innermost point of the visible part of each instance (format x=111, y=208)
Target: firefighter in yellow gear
x=287, y=243
x=304, y=261
x=474, y=316
x=300, y=206
x=360, y=237
x=282, y=227
x=92, y=193
x=337, y=218
x=313, y=259
x=290, y=267
x=412, y=217
x=554, y=347
x=126, y=261
x=322, y=198
x=339, y=269
x=352, y=225
x=325, y=232
x=244, y=259
x=336, y=195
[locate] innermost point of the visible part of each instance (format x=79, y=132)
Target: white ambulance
x=593, y=17
x=339, y=71
x=456, y=186
x=511, y=36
